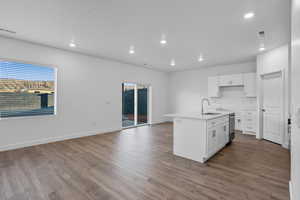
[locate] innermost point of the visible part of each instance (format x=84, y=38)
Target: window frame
x=55, y=89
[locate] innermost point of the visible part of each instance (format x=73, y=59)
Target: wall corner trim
x=291, y=191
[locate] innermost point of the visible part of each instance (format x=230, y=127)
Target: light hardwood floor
x=138, y=164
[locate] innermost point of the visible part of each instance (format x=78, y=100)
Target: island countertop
x=198, y=115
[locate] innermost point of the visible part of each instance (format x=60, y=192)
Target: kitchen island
x=200, y=136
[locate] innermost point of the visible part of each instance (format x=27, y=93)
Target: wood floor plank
x=137, y=164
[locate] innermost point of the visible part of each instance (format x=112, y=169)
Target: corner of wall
x=292, y=197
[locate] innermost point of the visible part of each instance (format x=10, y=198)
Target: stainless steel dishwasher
x=231, y=127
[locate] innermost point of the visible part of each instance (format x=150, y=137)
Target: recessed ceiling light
x=131, y=50
x=163, y=40
x=262, y=48
x=72, y=44
x=249, y=15
x=200, y=59
x=172, y=63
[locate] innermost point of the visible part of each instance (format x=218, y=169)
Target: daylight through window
x=26, y=90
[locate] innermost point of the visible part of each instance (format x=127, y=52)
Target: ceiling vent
x=7, y=31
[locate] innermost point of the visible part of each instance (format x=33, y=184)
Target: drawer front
x=250, y=128
x=250, y=114
x=212, y=123
x=249, y=120
x=215, y=122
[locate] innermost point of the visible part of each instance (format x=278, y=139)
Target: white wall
x=274, y=61
x=96, y=84
x=295, y=68
x=188, y=87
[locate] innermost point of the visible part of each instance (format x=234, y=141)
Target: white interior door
x=295, y=76
x=273, y=108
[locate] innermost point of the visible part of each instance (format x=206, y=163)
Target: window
x=26, y=89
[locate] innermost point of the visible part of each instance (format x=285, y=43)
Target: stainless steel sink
x=211, y=113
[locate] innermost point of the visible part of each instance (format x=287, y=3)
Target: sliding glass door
x=142, y=104
x=128, y=104
x=134, y=104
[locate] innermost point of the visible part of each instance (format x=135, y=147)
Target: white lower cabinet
x=217, y=135
x=212, y=141
x=249, y=122
x=224, y=134
x=199, y=138
x=221, y=136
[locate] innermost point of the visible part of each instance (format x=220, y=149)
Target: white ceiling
x=107, y=28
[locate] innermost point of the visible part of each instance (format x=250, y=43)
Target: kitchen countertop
x=198, y=115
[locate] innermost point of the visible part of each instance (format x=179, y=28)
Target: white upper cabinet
x=213, y=86
x=250, y=84
x=247, y=80
x=231, y=80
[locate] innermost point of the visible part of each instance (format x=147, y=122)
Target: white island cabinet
x=199, y=137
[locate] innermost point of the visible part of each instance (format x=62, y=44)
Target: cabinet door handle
x=224, y=128
x=214, y=134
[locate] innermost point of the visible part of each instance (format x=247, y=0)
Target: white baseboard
x=60, y=138
x=286, y=146
x=53, y=139
x=159, y=122
x=291, y=190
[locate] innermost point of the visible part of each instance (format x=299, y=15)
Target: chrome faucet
x=202, y=102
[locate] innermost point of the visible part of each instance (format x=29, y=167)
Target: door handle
x=264, y=110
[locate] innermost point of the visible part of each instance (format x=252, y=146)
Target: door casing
x=273, y=114
x=149, y=104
